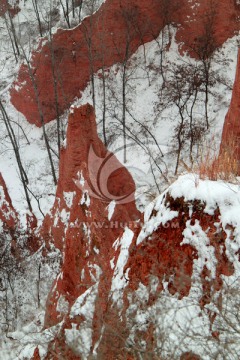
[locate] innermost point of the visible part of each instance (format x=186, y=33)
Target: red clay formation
x=89, y=252
x=162, y=254
x=73, y=58
x=230, y=144
x=69, y=235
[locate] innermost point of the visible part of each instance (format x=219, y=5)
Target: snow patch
x=68, y=197
x=118, y=280
x=80, y=339
x=111, y=208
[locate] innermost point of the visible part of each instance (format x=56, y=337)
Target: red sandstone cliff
x=230, y=144
x=109, y=262
x=101, y=41
x=95, y=296
x=80, y=225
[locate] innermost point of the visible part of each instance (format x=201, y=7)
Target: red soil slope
x=70, y=235
x=91, y=254
x=109, y=36
x=87, y=250
x=230, y=144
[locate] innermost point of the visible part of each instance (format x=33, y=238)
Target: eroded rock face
x=79, y=159
x=84, y=224
x=230, y=144
x=119, y=272
x=165, y=254
x=208, y=23
x=117, y=29
x=114, y=273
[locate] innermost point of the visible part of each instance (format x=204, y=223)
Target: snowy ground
x=143, y=87
x=30, y=138
x=153, y=169
x=142, y=100
x=181, y=325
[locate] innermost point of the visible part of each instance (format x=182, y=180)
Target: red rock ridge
x=100, y=41
x=91, y=254
x=230, y=144
x=87, y=249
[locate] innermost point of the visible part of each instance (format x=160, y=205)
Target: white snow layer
x=79, y=338
x=118, y=280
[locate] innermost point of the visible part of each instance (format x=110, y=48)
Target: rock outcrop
x=230, y=144
x=110, y=36
x=120, y=274
x=84, y=224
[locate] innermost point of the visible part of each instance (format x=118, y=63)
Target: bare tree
x=65, y=8
x=129, y=17
x=40, y=112
x=103, y=55
x=88, y=32
x=36, y=9
x=12, y=137
x=12, y=33
x=204, y=47
x=181, y=91
x=60, y=135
